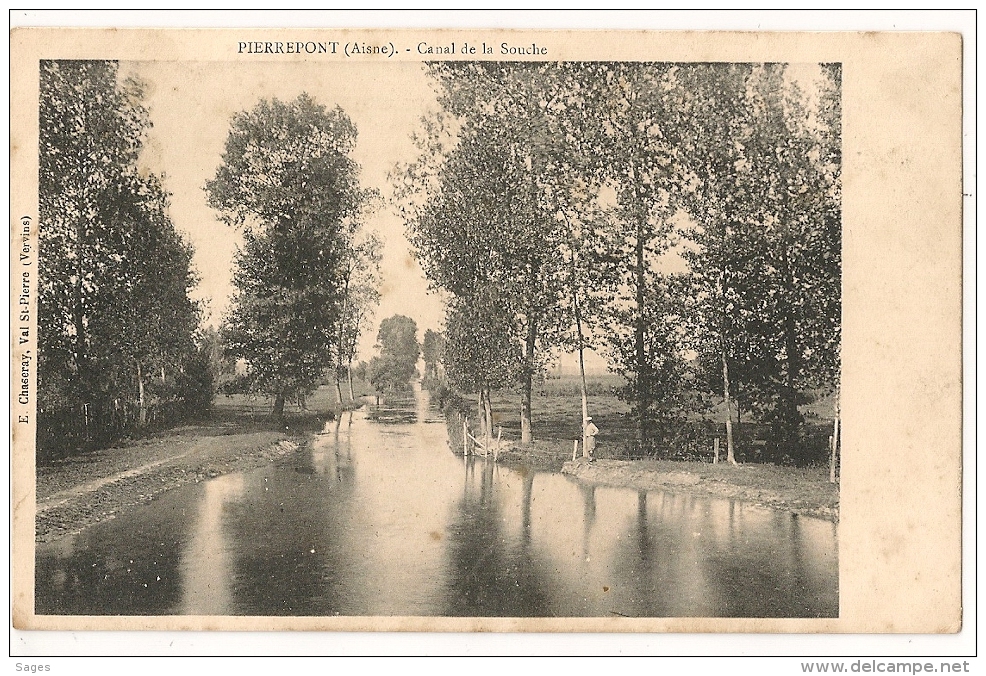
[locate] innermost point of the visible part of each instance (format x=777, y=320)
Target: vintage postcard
x=486, y=330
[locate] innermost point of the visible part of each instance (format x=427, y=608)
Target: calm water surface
x=378, y=517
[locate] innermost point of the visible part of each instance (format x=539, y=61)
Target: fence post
x=831, y=459
x=575, y=450
x=715, y=444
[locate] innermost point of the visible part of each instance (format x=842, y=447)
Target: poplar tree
x=288, y=183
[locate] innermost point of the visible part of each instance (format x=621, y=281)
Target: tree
x=288, y=183
x=89, y=140
x=116, y=325
x=481, y=219
x=360, y=282
x=480, y=354
x=432, y=351
x=765, y=263
x=713, y=99
x=396, y=366
x=637, y=127
x=795, y=149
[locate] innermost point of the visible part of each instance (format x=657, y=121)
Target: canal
x=377, y=516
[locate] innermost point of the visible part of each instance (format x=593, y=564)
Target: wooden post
x=465, y=437
x=831, y=459
x=142, y=414
x=488, y=426
x=835, y=439
x=496, y=451
x=715, y=445
x=575, y=450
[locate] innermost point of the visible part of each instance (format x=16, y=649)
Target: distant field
x=571, y=385
x=558, y=415
x=323, y=400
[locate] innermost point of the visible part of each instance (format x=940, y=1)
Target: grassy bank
x=255, y=409
x=802, y=491
x=557, y=418
x=557, y=422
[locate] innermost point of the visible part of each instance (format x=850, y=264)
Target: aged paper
x=899, y=531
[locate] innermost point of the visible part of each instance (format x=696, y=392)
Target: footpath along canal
x=377, y=516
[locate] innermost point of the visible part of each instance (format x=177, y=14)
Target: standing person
x=590, y=437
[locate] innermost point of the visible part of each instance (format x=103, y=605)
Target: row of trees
x=119, y=338
x=684, y=219
x=117, y=333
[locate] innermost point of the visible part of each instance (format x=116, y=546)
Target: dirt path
x=81, y=491
x=62, y=497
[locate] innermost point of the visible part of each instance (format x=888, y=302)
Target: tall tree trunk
x=720, y=288
x=481, y=414
x=349, y=377
x=525, y=406
x=791, y=418
x=278, y=411
x=639, y=334
x=585, y=389
x=488, y=423
x=730, y=454
x=142, y=411
x=835, y=438
x=81, y=355
x=340, y=338
x=577, y=311
x=793, y=373
x=585, y=396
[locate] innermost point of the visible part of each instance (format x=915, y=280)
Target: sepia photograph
x=445, y=331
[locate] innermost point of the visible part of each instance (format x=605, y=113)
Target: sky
x=190, y=106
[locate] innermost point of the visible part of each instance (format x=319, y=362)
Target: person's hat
x=588, y=418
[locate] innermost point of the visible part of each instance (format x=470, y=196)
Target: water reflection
x=208, y=551
x=379, y=518
x=491, y=570
x=105, y=572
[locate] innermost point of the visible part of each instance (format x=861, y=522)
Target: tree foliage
x=361, y=295
x=637, y=128
x=683, y=218
x=766, y=263
x=396, y=366
x=288, y=183
x=490, y=207
x=117, y=330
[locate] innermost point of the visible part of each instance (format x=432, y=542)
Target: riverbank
x=798, y=490
x=801, y=491
x=76, y=492
x=557, y=423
